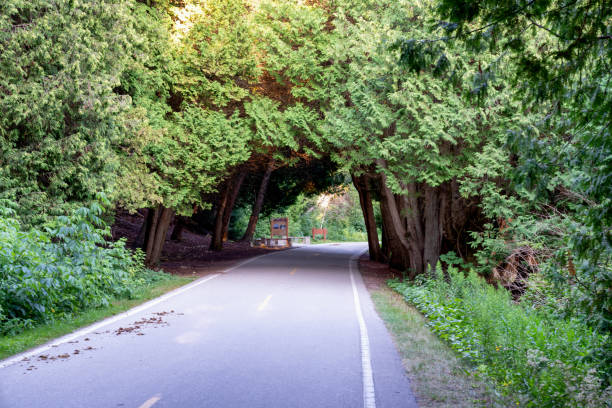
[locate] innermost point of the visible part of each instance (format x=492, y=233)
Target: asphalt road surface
x=291, y=329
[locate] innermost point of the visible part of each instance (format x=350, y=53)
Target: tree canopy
x=474, y=132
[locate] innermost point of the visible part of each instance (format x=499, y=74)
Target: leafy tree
x=61, y=117
x=187, y=137
x=557, y=56
x=413, y=134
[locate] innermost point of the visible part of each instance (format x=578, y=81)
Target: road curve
x=282, y=330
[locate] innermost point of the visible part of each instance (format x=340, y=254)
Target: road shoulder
x=438, y=377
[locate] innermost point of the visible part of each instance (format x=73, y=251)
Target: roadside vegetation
x=68, y=266
x=438, y=375
x=535, y=356
x=59, y=326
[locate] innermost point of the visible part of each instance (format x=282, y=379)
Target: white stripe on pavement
x=111, y=320
x=150, y=402
x=369, y=396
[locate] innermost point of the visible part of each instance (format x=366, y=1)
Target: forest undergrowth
x=534, y=355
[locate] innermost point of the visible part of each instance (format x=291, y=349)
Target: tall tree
x=413, y=130
x=194, y=134
x=259, y=200
x=282, y=108
x=62, y=117
x=558, y=57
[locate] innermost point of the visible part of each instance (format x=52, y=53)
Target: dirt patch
x=376, y=274
x=190, y=256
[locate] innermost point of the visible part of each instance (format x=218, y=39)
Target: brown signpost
x=319, y=231
x=279, y=226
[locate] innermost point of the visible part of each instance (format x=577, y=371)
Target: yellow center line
x=293, y=271
x=263, y=304
x=149, y=403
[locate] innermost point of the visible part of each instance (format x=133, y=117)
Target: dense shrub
x=66, y=267
x=541, y=360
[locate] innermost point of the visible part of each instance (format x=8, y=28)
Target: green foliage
x=341, y=216
x=60, y=115
x=186, y=137
x=414, y=125
x=573, y=178
x=68, y=266
x=192, y=156
x=215, y=50
x=540, y=360
x=556, y=57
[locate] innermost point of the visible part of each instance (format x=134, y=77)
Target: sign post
x=319, y=231
x=280, y=227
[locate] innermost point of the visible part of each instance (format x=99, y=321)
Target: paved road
x=281, y=330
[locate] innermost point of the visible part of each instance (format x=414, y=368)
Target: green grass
x=439, y=378
x=10, y=345
x=535, y=357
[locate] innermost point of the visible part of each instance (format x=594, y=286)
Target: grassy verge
x=438, y=376
x=535, y=357
x=10, y=345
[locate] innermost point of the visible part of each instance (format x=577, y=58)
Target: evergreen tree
x=62, y=118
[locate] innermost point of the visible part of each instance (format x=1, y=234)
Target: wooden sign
x=279, y=226
x=319, y=231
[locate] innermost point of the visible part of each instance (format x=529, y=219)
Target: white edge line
x=151, y=401
x=86, y=330
x=369, y=395
x=264, y=304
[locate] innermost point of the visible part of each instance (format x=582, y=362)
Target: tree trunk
x=414, y=229
x=257, y=206
x=224, y=210
x=160, y=236
x=365, y=199
x=141, y=239
x=433, y=233
x=229, y=208
x=216, y=243
x=179, y=227
x=396, y=233
x=384, y=247
x=156, y=237
x=151, y=229
x=397, y=253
